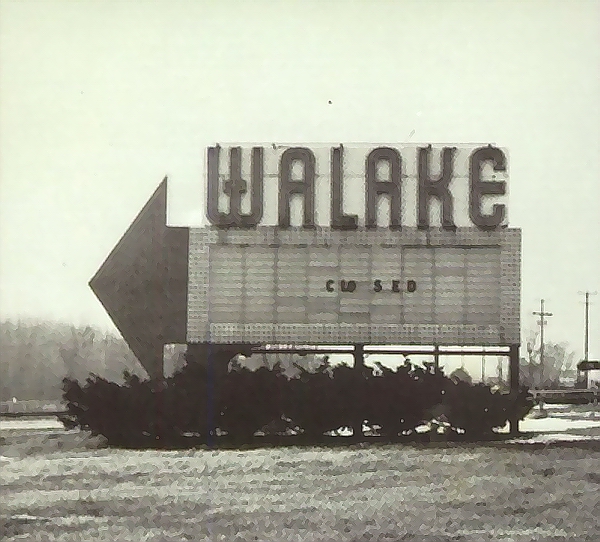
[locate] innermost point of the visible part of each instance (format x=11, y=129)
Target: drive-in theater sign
x=326, y=245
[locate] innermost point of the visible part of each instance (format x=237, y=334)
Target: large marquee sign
x=337, y=244
x=387, y=245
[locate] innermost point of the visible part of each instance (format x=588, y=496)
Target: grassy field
x=68, y=487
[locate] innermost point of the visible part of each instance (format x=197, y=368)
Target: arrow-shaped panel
x=143, y=283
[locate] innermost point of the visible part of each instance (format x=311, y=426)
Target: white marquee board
x=272, y=285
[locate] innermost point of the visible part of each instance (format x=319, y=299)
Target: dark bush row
x=205, y=401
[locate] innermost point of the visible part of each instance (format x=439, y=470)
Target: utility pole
x=542, y=322
x=586, y=344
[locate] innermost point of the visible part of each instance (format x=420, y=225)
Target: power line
x=586, y=351
x=542, y=314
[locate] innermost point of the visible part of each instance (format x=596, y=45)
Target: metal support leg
x=513, y=372
x=436, y=357
x=359, y=355
x=359, y=365
x=210, y=394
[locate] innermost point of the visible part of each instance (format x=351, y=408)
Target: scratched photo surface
x=306, y=271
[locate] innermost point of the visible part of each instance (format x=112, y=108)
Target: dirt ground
x=69, y=487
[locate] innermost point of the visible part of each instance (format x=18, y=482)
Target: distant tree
x=36, y=355
x=558, y=360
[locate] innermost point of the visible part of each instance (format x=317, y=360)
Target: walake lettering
x=375, y=188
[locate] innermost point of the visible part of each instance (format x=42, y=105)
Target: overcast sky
x=100, y=100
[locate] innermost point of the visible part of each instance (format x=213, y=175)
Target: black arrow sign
x=143, y=283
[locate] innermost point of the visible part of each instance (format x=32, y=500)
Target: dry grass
x=77, y=491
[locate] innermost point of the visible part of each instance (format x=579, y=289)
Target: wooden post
x=210, y=394
x=359, y=355
x=359, y=365
x=436, y=357
x=513, y=375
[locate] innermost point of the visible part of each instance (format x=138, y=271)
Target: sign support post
x=436, y=357
x=513, y=375
x=359, y=355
